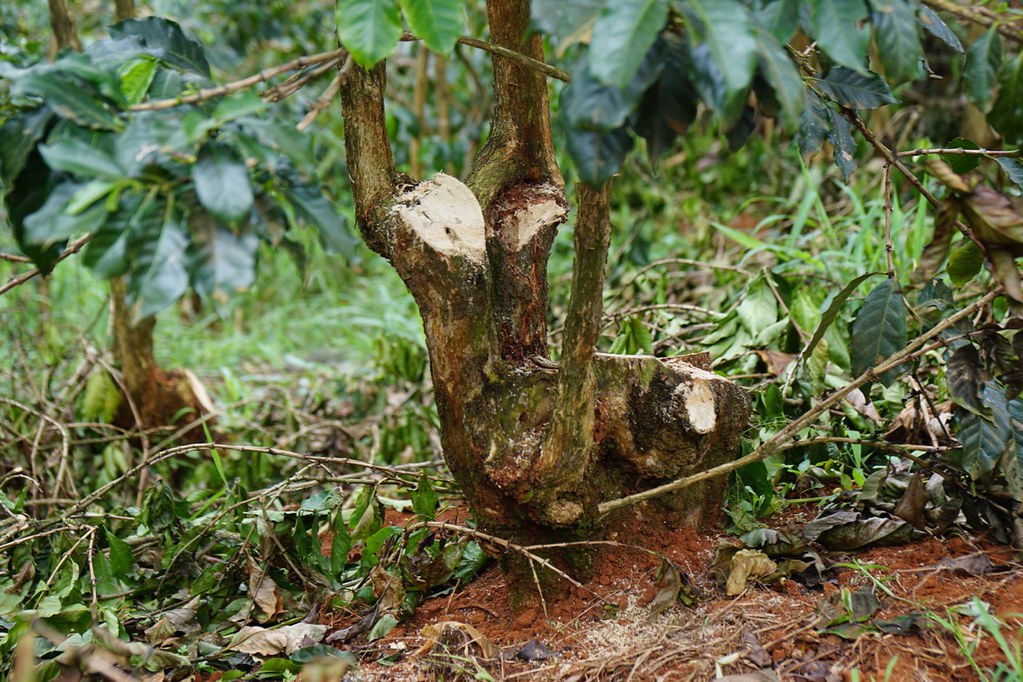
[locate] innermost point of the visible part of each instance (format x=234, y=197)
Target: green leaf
x=314, y=209
x=779, y=17
x=840, y=137
x=438, y=22
x=985, y=437
x=624, y=32
x=983, y=62
x=726, y=29
x=783, y=76
x=78, y=157
x=1012, y=464
x=856, y=90
x=369, y=29
x=340, y=545
x=101, y=398
x=930, y=20
x=382, y=627
x=879, y=330
x=53, y=222
x=219, y=262
x=964, y=377
x=222, y=183
x=669, y=106
x=136, y=77
x=840, y=31
x=106, y=253
x=69, y=96
x=709, y=82
x=759, y=308
x=964, y=263
x=18, y=137
x=424, y=498
x=898, y=43
x=814, y=124
x=937, y=249
x=166, y=41
x=1013, y=167
x=588, y=104
x=1006, y=114
x=598, y=156
x=157, y=277
x=835, y=307
x=121, y=558
x=568, y=21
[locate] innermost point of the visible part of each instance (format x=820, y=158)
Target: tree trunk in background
x=535, y=446
x=124, y=9
x=63, y=24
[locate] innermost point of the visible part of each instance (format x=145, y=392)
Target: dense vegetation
x=840, y=239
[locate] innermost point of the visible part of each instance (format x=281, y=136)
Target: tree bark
x=535, y=446
x=63, y=24
x=124, y=9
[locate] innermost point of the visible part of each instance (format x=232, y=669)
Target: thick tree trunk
x=63, y=24
x=535, y=446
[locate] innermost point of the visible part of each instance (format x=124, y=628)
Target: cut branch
x=778, y=442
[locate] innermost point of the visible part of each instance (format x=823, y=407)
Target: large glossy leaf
x=598, y=155
x=897, y=39
x=670, y=105
x=136, y=77
x=1013, y=167
x=165, y=40
x=839, y=29
x=840, y=137
x=148, y=138
x=588, y=104
x=709, y=81
x=779, y=17
x=369, y=29
x=855, y=89
x=879, y=330
x=1007, y=112
x=26, y=193
x=814, y=124
x=568, y=21
x=52, y=223
x=783, y=76
x=107, y=251
x=964, y=377
x=77, y=156
x=157, y=277
x=985, y=437
x=69, y=96
x=983, y=62
x=624, y=32
x=835, y=307
x=219, y=262
x=438, y=22
x=964, y=263
x=930, y=20
x=18, y=137
x=312, y=208
x=1012, y=462
x=222, y=183
x=726, y=29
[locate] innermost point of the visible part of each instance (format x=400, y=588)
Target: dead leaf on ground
x=972, y=564
x=270, y=642
x=264, y=593
x=455, y=636
x=179, y=621
x=747, y=564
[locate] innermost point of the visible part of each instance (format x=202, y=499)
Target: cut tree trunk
x=535, y=445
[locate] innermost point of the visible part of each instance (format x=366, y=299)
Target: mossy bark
x=535, y=446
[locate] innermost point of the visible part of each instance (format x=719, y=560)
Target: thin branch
x=72, y=248
x=235, y=86
x=889, y=249
x=780, y=439
x=14, y=258
x=960, y=151
x=525, y=60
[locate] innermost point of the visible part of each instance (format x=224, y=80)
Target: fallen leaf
x=264, y=593
x=453, y=635
x=270, y=642
x=746, y=564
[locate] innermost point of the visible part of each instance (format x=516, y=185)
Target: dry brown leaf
x=266, y=642
x=451, y=634
x=264, y=593
x=746, y=564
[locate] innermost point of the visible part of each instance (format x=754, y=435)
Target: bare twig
x=72, y=248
